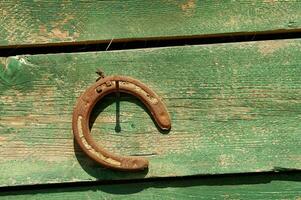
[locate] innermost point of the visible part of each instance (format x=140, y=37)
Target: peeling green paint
x=234, y=108
x=42, y=22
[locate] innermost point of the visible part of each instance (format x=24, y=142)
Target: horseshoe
x=85, y=105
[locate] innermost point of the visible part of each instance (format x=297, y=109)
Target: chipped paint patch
x=56, y=34
x=270, y=1
x=59, y=34
x=233, y=21
x=2, y=139
x=225, y=160
x=269, y=47
x=3, y=61
x=188, y=5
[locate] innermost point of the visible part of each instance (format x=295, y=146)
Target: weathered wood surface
x=237, y=187
x=26, y=22
x=234, y=107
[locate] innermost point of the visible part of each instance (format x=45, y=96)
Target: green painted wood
x=41, y=22
x=234, y=107
x=236, y=187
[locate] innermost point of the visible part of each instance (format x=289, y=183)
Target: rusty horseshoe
x=85, y=105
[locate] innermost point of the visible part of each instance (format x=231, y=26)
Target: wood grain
x=234, y=108
x=26, y=22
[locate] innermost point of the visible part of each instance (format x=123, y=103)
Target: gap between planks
x=218, y=179
x=151, y=42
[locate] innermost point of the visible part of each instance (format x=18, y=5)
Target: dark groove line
x=234, y=178
x=154, y=42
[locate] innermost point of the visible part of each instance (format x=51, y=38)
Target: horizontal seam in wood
x=272, y=175
x=148, y=42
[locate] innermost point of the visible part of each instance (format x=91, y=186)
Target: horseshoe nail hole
x=99, y=90
x=108, y=84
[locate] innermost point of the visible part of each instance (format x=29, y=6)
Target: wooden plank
x=234, y=107
x=237, y=187
x=41, y=22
